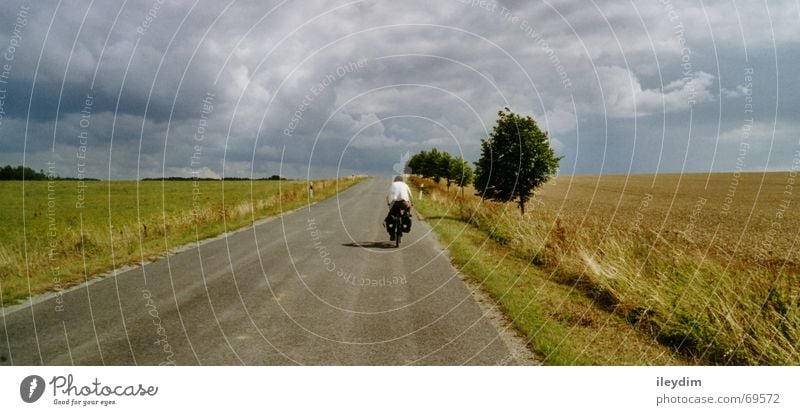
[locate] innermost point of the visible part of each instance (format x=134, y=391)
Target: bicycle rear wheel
x=398, y=231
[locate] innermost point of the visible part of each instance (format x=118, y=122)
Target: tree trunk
x=522, y=206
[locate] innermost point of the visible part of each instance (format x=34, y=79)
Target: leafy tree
x=417, y=163
x=515, y=160
x=433, y=165
x=442, y=167
x=461, y=173
x=430, y=164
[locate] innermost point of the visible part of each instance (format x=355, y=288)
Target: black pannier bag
x=406, y=221
x=389, y=221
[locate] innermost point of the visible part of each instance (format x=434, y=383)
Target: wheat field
x=706, y=264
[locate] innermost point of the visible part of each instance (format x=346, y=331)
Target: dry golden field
x=705, y=264
x=747, y=218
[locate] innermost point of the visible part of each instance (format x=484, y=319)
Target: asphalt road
x=319, y=286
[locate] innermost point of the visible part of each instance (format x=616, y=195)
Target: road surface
x=319, y=286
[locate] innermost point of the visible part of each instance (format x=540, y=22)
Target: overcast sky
x=245, y=88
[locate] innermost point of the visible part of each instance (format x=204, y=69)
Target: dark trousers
x=399, y=206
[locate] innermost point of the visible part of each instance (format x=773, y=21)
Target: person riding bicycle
x=399, y=200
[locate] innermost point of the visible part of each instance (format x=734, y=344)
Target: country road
x=318, y=286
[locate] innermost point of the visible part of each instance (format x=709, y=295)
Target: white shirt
x=399, y=191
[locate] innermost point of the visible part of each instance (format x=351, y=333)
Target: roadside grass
x=50, y=247
x=559, y=321
x=601, y=288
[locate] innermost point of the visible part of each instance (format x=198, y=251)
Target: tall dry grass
x=712, y=294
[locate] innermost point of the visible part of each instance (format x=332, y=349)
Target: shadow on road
x=381, y=245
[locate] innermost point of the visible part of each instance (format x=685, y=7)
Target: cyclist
x=400, y=202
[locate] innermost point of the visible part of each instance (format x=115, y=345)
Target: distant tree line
x=438, y=165
x=26, y=173
x=20, y=172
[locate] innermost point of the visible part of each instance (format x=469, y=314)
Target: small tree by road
x=460, y=173
x=515, y=160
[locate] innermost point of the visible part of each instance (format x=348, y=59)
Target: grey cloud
x=630, y=50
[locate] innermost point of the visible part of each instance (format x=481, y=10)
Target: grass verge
x=560, y=322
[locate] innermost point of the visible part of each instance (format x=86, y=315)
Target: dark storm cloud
x=322, y=85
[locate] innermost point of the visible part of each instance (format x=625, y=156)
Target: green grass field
x=640, y=269
x=57, y=234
